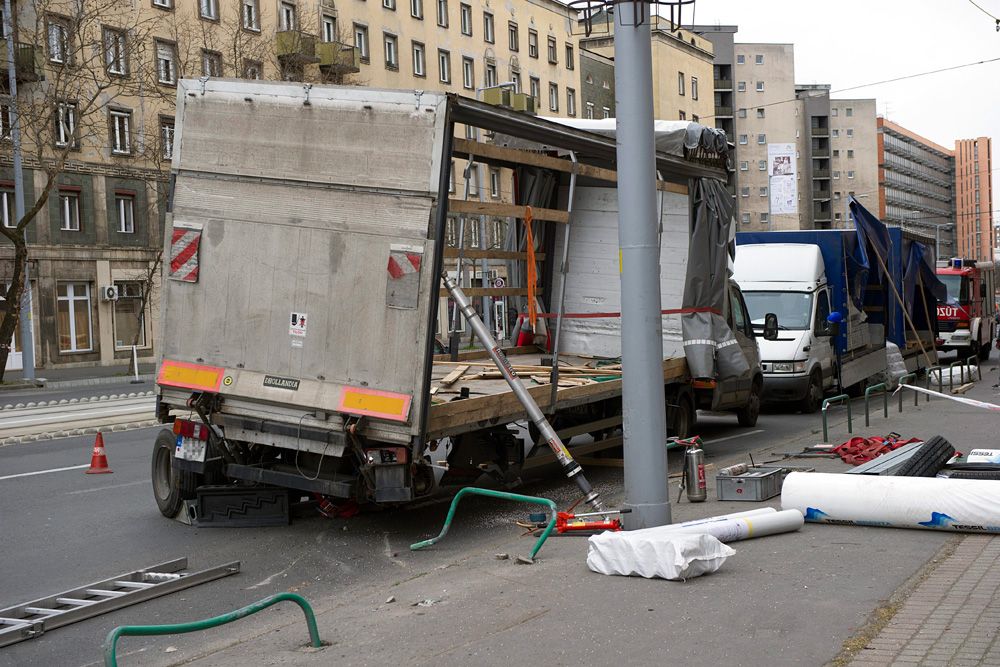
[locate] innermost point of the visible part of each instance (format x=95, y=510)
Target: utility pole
x=643, y=407
x=27, y=329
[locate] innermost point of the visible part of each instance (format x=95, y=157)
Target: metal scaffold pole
x=643, y=407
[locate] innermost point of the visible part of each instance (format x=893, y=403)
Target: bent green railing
x=516, y=497
x=839, y=398
x=110, y=644
x=885, y=400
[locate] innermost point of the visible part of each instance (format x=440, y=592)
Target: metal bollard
x=840, y=398
x=951, y=374
x=902, y=381
x=976, y=364
x=885, y=400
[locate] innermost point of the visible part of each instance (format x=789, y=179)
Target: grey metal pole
x=643, y=407
x=561, y=300
x=27, y=329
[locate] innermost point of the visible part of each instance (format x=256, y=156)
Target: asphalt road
x=13, y=397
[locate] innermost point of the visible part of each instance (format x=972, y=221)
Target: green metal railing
x=110, y=644
x=885, y=400
x=839, y=398
x=973, y=362
x=916, y=395
x=516, y=497
x=951, y=373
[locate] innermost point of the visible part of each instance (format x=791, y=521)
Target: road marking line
x=733, y=437
x=43, y=472
x=105, y=488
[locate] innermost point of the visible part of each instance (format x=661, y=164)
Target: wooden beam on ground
x=504, y=210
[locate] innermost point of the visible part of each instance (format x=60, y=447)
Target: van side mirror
x=770, y=327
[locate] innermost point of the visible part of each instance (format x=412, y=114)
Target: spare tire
x=929, y=459
x=974, y=474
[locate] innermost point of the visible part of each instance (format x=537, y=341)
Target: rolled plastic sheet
x=699, y=523
x=666, y=555
x=956, y=505
x=745, y=527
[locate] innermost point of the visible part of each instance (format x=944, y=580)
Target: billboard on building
x=782, y=187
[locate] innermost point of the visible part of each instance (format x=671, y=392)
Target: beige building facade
x=854, y=156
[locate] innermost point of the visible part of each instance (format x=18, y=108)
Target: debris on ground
x=390, y=599
x=860, y=450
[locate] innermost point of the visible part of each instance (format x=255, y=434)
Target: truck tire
x=814, y=394
x=929, y=459
x=682, y=419
x=171, y=487
x=984, y=350
x=747, y=415
x=974, y=474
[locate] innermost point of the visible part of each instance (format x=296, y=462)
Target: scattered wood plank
x=452, y=377
x=964, y=388
x=503, y=210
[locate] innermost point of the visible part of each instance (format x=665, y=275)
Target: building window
x=167, y=137
x=682, y=115
x=607, y=112
x=515, y=78
x=834, y=111
x=69, y=211
x=5, y=126
x=208, y=9
x=451, y=184
x=287, y=16
x=760, y=86
x=850, y=153
x=164, y=4
x=680, y=83
x=764, y=218
x=495, y=183
x=489, y=33
x=125, y=208
x=391, y=51
x=744, y=165
x=570, y=59
x=836, y=194
x=251, y=15
x=836, y=152
x=850, y=174
x=532, y=43
x=442, y=13
x=468, y=73
x=745, y=218
x=745, y=191
x=836, y=174
x=513, y=42
x=65, y=130
x=114, y=52
x=58, y=34
x=741, y=59
x=444, y=66
x=535, y=88
x=570, y=102
x=761, y=138
x=419, y=60
x=7, y=209
x=553, y=50
x=211, y=63
x=417, y=9
x=849, y=111
x=328, y=28
x=760, y=112
x=758, y=59
x=553, y=97
x=252, y=69
x=589, y=113
x=466, y=15
x=761, y=165
x=121, y=131
x=743, y=139
x=130, y=321
x=73, y=317
x=490, y=70
x=694, y=88
x=763, y=191
x=361, y=41
x=741, y=86
x=166, y=63
x=850, y=132
x=741, y=113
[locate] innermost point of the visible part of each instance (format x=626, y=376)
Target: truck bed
x=491, y=400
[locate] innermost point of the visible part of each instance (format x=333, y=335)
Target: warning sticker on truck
x=403, y=281
x=298, y=325
x=185, y=242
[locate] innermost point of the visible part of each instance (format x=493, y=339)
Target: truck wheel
x=814, y=394
x=927, y=460
x=683, y=418
x=747, y=415
x=171, y=487
x=984, y=350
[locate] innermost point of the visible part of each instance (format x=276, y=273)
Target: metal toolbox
x=755, y=484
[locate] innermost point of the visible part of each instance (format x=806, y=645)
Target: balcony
x=723, y=112
x=820, y=152
x=723, y=84
x=821, y=173
x=820, y=131
x=819, y=214
x=29, y=63
x=294, y=46
x=338, y=58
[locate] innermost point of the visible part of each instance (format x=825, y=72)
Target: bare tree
x=95, y=54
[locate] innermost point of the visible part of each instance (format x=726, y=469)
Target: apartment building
x=95, y=245
x=683, y=85
x=597, y=84
x=975, y=235
x=853, y=157
x=916, y=182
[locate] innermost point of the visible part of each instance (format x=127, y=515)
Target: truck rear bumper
x=785, y=386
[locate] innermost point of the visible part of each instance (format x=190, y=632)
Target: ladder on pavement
x=32, y=619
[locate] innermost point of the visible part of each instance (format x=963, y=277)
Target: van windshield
x=794, y=309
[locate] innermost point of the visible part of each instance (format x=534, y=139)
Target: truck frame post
x=643, y=406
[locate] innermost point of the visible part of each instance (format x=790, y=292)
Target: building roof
x=899, y=129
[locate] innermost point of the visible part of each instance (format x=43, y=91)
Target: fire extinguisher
x=693, y=479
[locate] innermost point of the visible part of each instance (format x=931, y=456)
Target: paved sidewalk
x=952, y=617
x=65, y=378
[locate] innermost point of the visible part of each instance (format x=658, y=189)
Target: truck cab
x=966, y=321
x=790, y=281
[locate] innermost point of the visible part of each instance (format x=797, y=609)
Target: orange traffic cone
x=99, y=460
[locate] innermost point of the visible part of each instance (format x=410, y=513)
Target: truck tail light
x=190, y=429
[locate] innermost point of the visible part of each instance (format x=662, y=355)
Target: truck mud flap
x=241, y=507
x=342, y=488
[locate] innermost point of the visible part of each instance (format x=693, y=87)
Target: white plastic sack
x=674, y=556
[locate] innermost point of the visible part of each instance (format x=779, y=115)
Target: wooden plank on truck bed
x=502, y=210
x=493, y=291
x=470, y=355
x=452, y=377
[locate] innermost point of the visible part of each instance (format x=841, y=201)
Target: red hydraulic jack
x=567, y=522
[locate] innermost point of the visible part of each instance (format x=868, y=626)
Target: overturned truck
x=302, y=304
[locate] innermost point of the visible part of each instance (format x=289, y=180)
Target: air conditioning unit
x=523, y=102
x=109, y=293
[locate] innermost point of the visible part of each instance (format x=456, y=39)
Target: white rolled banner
x=955, y=505
x=694, y=523
x=746, y=527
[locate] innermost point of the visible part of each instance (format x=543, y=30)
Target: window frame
x=249, y=66
x=253, y=25
x=553, y=96
x=364, y=48
x=66, y=135
x=570, y=102
x=760, y=87
x=288, y=16
x=71, y=299
x=162, y=47
x=444, y=73
x=213, y=10
x=570, y=57
x=417, y=9
x=69, y=218
x=209, y=60
x=441, y=7
x=513, y=37
x=532, y=47
x=390, y=42
x=468, y=73
x=489, y=28
x=124, y=298
x=694, y=87
x=63, y=54
x=7, y=212
x=167, y=126
x=552, y=49
x=120, y=131
x=419, y=52
x=118, y=53
x=465, y=19
x=125, y=204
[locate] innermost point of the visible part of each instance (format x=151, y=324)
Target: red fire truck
x=967, y=322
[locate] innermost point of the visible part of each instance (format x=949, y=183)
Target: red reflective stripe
x=183, y=256
x=414, y=259
x=394, y=269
